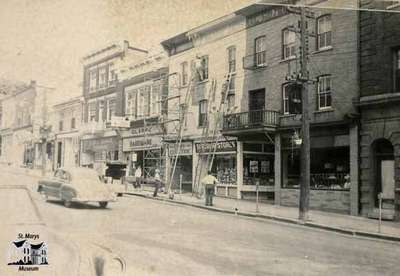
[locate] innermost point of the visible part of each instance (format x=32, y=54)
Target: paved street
x=153, y=238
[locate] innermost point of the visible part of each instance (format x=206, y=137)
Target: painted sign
x=147, y=130
x=119, y=122
x=102, y=144
x=186, y=148
x=221, y=146
x=266, y=15
x=141, y=143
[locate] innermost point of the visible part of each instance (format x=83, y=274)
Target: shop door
x=256, y=105
x=59, y=154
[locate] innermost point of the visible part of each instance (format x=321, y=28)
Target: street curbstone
x=339, y=230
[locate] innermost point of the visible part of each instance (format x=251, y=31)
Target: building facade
x=203, y=62
x=100, y=86
x=25, y=126
x=262, y=112
x=66, y=124
x=380, y=115
x=143, y=85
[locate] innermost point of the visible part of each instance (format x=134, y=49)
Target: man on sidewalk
x=158, y=183
x=138, y=176
x=209, y=182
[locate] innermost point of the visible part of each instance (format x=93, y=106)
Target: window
x=260, y=48
x=397, y=70
x=92, y=112
x=203, y=113
x=289, y=44
x=131, y=96
x=155, y=100
x=324, y=32
x=60, y=125
x=184, y=68
x=231, y=93
x=324, y=92
x=102, y=77
x=231, y=59
x=204, y=68
x=73, y=123
x=112, y=79
x=110, y=109
x=101, y=111
x=93, y=80
x=292, y=99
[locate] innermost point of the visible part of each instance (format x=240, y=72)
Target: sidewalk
x=345, y=224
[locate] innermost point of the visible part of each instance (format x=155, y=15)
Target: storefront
x=96, y=152
x=183, y=171
x=258, y=169
x=329, y=173
x=223, y=156
x=143, y=151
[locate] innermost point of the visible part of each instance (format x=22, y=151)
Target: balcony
x=255, y=61
x=251, y=121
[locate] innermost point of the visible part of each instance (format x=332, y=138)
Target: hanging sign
x=185, y=149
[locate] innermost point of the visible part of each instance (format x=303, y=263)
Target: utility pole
x=305, y=147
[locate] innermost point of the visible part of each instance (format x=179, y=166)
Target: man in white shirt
x=209, y=182
x=138, y=176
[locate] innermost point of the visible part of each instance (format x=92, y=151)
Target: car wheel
x=67, y=203
x=103, y=204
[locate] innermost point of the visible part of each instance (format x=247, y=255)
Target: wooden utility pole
x=305, y=147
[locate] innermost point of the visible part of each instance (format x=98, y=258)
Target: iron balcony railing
x=255, y=61
x=251, y=119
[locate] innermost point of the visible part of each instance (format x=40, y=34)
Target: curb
x=349, y=232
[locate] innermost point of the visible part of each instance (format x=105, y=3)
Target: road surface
x=137, y=236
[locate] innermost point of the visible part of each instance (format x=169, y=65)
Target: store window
x=324, y=32
x=203, y=109
x=324, y=92
x=289, y=44
x=329, y=168
x=258, y=168
x=224, y=168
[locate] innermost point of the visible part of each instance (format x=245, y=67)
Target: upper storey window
x=324, y=32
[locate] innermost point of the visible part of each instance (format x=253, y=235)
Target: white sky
x=44, y=40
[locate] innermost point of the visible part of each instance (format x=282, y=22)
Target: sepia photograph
x=210, y=138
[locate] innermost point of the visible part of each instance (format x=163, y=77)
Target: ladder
x=178, y=142
x=214, y=137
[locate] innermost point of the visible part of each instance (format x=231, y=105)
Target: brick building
x=378, y=105
x=100, y=86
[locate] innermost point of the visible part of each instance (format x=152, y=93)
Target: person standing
x=157, y=183
x=209, y=182
x=138, y=176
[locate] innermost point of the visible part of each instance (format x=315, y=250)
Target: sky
x=44, y=40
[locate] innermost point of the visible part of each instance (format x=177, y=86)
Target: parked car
x=76, y=185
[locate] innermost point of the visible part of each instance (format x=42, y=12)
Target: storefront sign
x=141, y=143
x=185, y=149
x=102, y=144
x=147, y=130
x=222, y=146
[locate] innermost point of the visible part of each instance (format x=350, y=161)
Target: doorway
x=384, y=173
x=256, y=105
x=59, y=154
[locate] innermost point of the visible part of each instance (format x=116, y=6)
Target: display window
x=258, y=168
x=224, y=168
